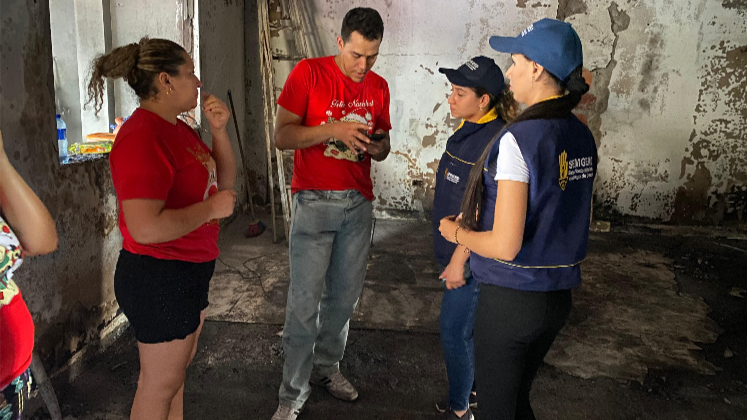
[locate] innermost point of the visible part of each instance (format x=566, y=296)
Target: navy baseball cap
x=553, y=44
x=478, y=72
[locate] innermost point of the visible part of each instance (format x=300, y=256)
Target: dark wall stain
x=719, y=144
x=620, y=19
x=651, y=63
x=735, y=4
x=568, y=8
x=691, y=200
x=429, y=140
x=427, y=69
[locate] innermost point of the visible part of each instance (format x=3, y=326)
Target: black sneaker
x=443, y=405
x=450, y=415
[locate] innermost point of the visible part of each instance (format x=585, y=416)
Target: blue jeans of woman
x=458, y=309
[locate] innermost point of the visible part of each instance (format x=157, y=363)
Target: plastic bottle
x=61, y=138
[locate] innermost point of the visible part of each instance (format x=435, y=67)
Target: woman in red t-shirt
x=26, y=229
x=171, y=191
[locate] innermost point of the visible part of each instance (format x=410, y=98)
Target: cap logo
x=472, y=65
x=530, y=28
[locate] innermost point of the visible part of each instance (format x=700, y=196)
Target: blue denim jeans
x=329, y=241
x=457, y=321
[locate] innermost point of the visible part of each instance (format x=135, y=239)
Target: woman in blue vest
x=480, y=98
x=525, y=217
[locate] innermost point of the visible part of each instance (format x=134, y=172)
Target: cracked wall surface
x=666, y=102
x=670, y=118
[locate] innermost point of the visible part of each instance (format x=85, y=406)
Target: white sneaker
x=285, y=412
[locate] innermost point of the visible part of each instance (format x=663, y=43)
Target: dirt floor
x=658, y=332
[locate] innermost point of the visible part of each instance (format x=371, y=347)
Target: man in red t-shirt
x=334, y=112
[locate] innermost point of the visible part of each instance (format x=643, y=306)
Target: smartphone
x=377, y=136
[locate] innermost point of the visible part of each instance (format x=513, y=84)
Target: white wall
x=65, y=65
x=134, y=19
x=89, y=28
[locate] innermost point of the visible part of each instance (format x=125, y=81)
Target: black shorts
x=162, y=299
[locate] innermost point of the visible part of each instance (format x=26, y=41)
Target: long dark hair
x=553, y=108
x=139, y=64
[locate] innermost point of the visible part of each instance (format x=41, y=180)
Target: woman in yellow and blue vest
x=525, y=217
x=480, y=98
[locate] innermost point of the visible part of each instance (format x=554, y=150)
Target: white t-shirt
x=511, y=165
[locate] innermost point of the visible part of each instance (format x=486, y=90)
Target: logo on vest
x=574, y=169
x=563, y=160
x=451, y=177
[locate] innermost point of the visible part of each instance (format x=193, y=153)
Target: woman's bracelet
x=456, y=240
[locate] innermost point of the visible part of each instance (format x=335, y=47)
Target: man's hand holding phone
x=379, y=145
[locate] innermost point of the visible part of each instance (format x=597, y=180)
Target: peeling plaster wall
x=672, y=135
x=70, y=293
x=666, y=103
x=221, y=49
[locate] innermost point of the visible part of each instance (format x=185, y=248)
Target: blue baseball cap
x=553, y=44
x=478, y=72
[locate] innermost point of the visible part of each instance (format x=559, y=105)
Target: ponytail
x=139, y=64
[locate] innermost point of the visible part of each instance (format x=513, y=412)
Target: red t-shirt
x=318, y=91
x=154, y=159
x=16, y=325
x=16, y=340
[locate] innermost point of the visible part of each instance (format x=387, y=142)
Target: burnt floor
x=657, y=332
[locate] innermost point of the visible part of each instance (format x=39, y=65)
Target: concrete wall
x=70, y=292
x=667, y=103
x=221, y=57
x=256, y=154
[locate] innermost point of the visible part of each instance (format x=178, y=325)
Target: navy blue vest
x=562, y=159
x=463, y=149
